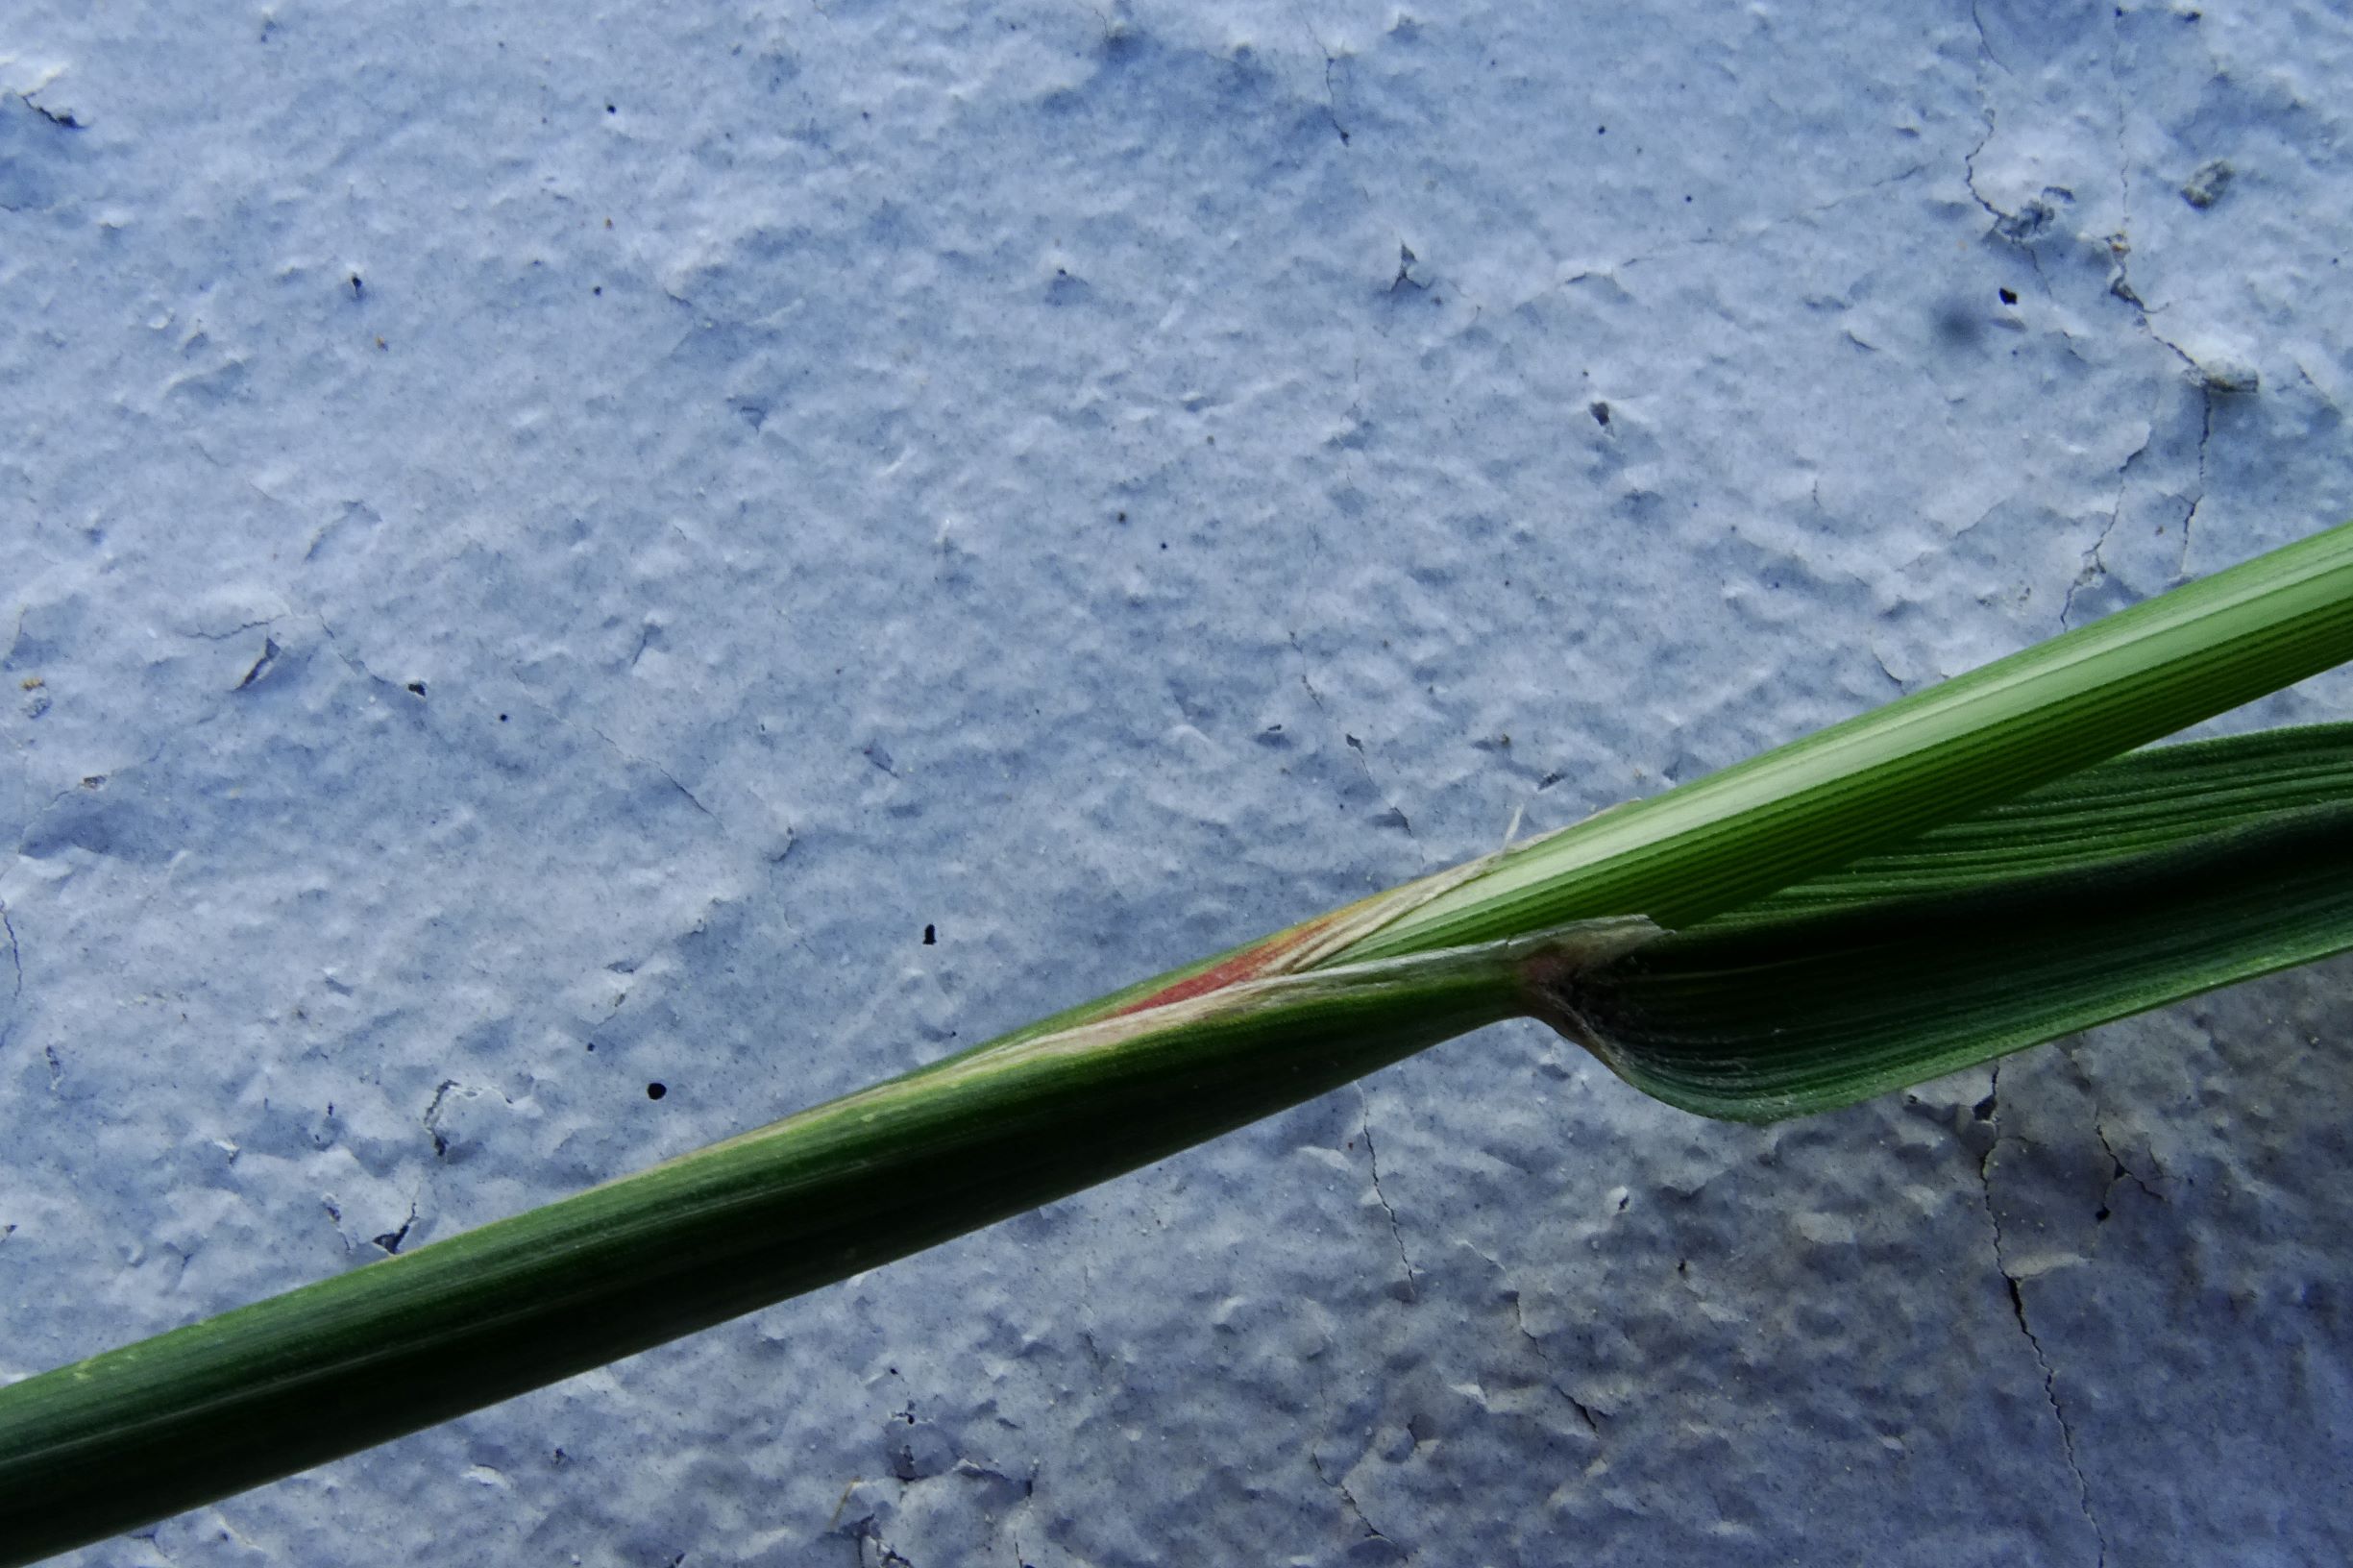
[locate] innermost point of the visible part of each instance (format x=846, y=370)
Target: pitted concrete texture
x=547, y=553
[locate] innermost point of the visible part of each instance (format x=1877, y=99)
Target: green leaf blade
x=2038, y=714
x=2142, y=802
x=1992, y=935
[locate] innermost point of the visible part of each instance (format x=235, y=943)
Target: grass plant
x=1969, y=871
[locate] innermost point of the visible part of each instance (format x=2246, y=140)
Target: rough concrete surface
x=525, y=528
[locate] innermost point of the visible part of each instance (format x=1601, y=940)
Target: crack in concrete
x=2018, y=1307
x=1332, y=109
x=1372, y=1531
x=2118, y=1172
x=237, y=631
x=1552, y=1376
x=58, y=119
x=1372, y=1159
x=433, y=1112
x=672, y=778
x=1742, y=237
x=2205, y=438
x=2024, y=229
x=2304, y=375
x=864, y=1530
x=2209, y=380
x=2093, y=568
x=63, y=119
x=261, y=665
x=97, y=781
x=1985, y=45
x=1407, y=262
x=2019, y=229
x=350, y=661
x=390, y=1240
x=16, y=960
